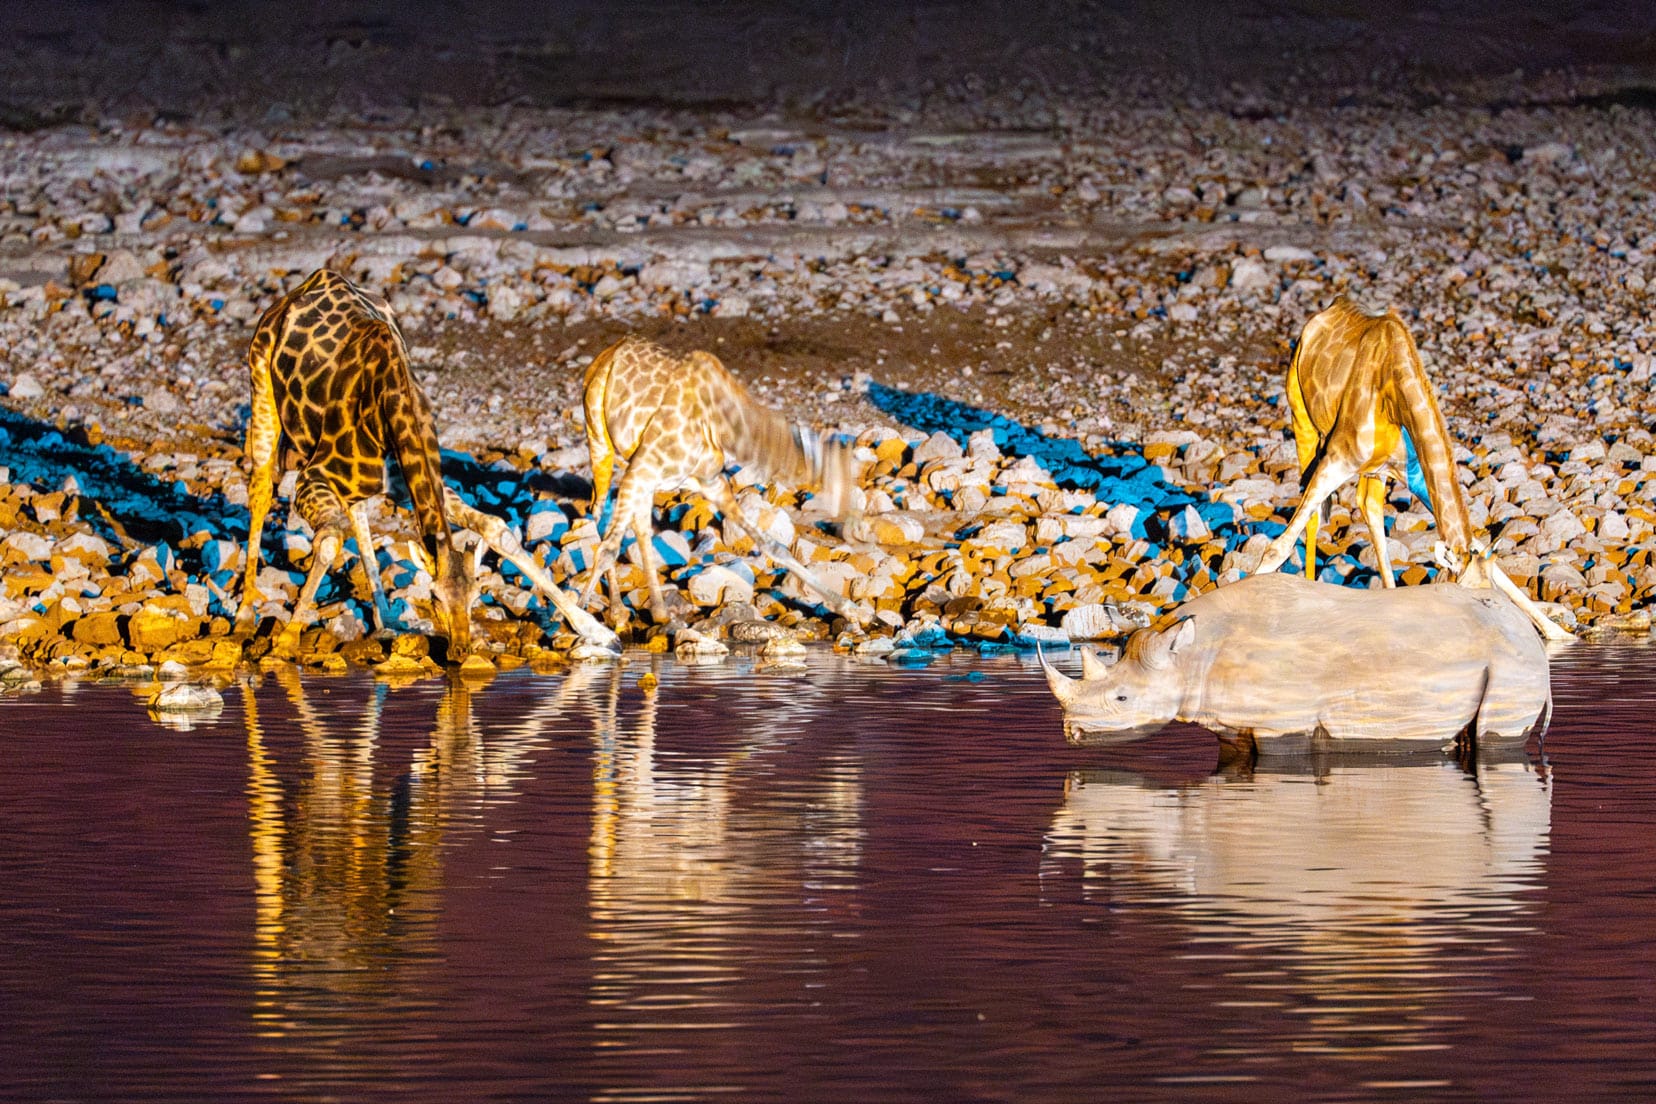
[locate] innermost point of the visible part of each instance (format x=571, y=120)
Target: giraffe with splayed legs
x=675, y=422
x=330, y=373
x=1362, y=406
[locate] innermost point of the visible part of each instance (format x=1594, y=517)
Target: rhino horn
x=1093, y=665
x=1064, y=688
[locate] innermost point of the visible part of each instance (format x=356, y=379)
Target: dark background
x=67, y=60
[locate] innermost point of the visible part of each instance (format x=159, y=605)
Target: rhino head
x=1132, y=697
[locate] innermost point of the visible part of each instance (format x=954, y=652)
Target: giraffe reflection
x=695, y=840
x=348, y=867
x=1352, y=899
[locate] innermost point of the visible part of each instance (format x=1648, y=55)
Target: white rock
x=1100, y=620
x=1562, y=526
x=1250, y=274
x=32, y=546
x=939, y=446
x=184, y=697
x=26, y=387
x=1289, y=253
x=161, y=401
x=692, y=645
x=675, y=275
x=717, y=585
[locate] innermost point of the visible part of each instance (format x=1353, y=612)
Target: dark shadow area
x=133, y=506
x=1121, y=477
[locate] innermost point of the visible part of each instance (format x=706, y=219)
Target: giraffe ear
x=478, y=550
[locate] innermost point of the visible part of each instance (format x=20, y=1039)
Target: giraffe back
x=346, y=398
x=699, y=417
x=1358, y=377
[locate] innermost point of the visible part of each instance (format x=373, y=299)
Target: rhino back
x=1278, y=656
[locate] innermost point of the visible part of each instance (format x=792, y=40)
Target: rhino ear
x=1170, y=643
x=1093, y=665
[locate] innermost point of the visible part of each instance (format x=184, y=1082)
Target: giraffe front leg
x=385, y=622
x=1326, y=476
x=1371, y=499
x=644, y=541
x=495, y=533
x=725, y=499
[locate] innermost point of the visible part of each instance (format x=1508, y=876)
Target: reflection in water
x=348, y=875
x=1361, y=901
x=698, y=859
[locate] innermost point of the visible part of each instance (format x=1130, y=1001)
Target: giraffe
x=1362, y=406
x=676, y=422
x=331, y=373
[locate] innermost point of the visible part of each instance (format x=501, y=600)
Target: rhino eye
x=1121, y=697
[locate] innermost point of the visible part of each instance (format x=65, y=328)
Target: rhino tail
x=1467, y=743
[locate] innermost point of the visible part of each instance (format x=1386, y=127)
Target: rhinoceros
x=1285, y=665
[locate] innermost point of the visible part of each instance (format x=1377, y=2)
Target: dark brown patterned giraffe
x=331, y=373
x=676, y=422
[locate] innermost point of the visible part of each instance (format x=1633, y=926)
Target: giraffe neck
x=1416, y=410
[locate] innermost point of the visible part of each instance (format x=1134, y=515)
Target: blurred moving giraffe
x=330, y=371
x=1362, y=406
x=676, y=422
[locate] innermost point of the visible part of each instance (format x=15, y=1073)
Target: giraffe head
x=455, y=585
x=839, y=477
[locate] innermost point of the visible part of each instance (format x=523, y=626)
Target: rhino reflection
x=689, y=842
x=1363, y=888
x=348, y=870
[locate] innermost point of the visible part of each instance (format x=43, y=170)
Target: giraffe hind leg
x=1371, y=499
x=325, y=551
x=330, y=521
x=260, y=451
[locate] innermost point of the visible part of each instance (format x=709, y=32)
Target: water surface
x=854, y=882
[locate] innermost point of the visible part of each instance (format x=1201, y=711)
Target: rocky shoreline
x=1060, y=348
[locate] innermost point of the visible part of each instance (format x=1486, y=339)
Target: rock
x=690, y=645
x=1563, y=526
x=26, y=388
x=1098, y=621
x=151, y=629
x=187, y=697
x=1289, y=253
x=1547, y=153
x=160, y=400
x=717, y=584
x=1637, y=621
x=893, y=530
x=476, y=667
x=100, y=630
x=399, y=666
x=31, y=546
x=588, y=651
x=1251, y=274
x=757, y=632
x=939, y=446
